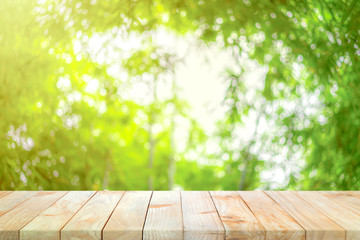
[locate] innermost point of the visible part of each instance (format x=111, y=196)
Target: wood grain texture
x=164, y=217
x=128, y=219
x=89, y=221
x=346, y=218
x=11, y=200
x=180, y=215
x=55, y=217
x=3, y=193
x=317, y=225
x=201, y=220
x=238, y=220
x=348, y=199
x=277, y=223
x=12, y=221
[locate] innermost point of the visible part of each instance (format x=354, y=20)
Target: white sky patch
x=200, y=76
x=92, y=85
x=64, y=84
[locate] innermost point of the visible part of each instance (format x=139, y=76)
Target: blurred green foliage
x=55, y=133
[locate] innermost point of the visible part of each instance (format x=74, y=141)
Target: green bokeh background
x=54, y=134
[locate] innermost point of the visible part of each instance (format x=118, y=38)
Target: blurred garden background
x=179, y=94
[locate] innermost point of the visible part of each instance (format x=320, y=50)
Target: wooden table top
x=168, y=215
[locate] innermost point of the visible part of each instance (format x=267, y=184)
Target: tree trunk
x=172, y=165
x=151, y=136
x=151, y=157
x=107, y=170
x=248, y=157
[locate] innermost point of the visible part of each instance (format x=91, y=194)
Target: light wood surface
x=317, y=225
x=3, y=193
x=164, y=217
x=201, y=219
x=136, y=215
x=90, y=220
x=55, y=217
x=11, y=200
x=238, y=220
x=128, y=219
x=346, y=218
x=15, y=219
x=350, y=200
x=277, y=223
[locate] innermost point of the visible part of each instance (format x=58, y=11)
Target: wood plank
x=346, y=218
x=3, y=193
x=128, y=219
x=12, y=221
x=201, y=220
x=55, y=217
x=164, y=217
x=13, y=199
x=238, y=220
x=348, y=199
x=177, y=215
x=89, y=221
x=277, y=223
x=317, y=225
